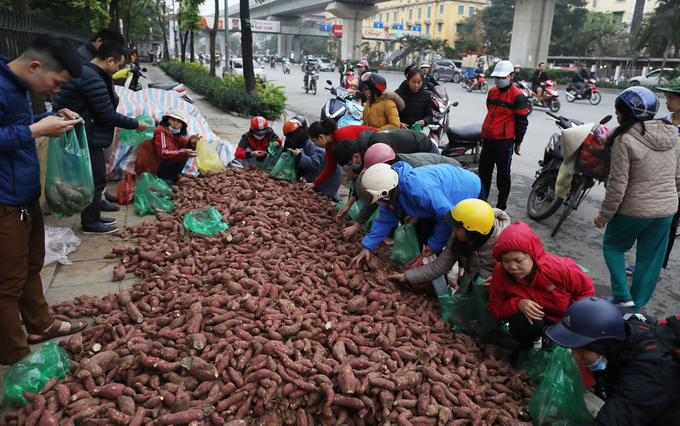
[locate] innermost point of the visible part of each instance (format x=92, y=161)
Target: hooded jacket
x=644, y=177
x=383, y=113
x=402, y=141
x=418, y=105
x=425, y=192
x=165, y=146
x=558, y=281
x=481, y=260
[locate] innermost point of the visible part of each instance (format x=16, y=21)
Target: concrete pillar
x=296, y=46
x=617, y=74
x=285, y=45
x=531, y=30
x=351, y=14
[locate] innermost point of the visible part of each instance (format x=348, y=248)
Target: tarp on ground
x=155, y=103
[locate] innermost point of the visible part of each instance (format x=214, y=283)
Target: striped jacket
x=507, y=115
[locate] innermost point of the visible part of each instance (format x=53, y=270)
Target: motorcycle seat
x=470, y=132
x=168, y=86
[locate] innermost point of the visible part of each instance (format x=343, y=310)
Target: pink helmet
x=378, y=153
x=362, y=63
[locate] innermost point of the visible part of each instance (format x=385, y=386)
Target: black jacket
x=94, y=98
x=429, y=82
x=642, y=381
x=539, y=77
x=87, y=51
x=418, y=104
x=402, y=141
x=580, y=76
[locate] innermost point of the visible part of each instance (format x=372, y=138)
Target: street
x=578, y=238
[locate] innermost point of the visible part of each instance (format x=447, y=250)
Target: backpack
x=667, y=331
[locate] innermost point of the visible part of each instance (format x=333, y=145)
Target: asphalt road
x=578, y=238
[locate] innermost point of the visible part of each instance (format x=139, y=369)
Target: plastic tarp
x=155, y=103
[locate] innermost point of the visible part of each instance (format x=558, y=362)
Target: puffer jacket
x=418, y=105
x=165, y=146
x=482, y=260
x=557, y=283
x=644, y=178
x=383, y=113
x=94, y=98
x=402, y=141
x=87, y=51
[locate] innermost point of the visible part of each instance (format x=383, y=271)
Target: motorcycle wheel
x=306, y=90
x=595, y=98
x=543, y=202
x=555, y=105
x=456, y=78
x=468, y=88
x=484, y=88
x=569, y=205
x=314, y=87
x=570, y=96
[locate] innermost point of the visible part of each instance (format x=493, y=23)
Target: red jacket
x=507, y=115
x=558, y=281
x=347, y=132
x=248, y=141
x=165, y=146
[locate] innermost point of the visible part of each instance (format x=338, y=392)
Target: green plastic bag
x=271, y=159
x=405, y=246
x=369, y=223
x=558, y=399
x=416, y=127
x=69, y=186
x=534, y=361
x=133, y=137
x=152, y=195
x=34, y=370
x=353, y=211
x=285, y=167
x=205, y=221
x=467, y=313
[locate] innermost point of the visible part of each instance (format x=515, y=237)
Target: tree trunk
x=87, y=28
x=213, y=35
x=637, y=15
x=184, y=45
x=191, y=47
x=20, y=6
x=113, y=14
x=247, y=48
x=663, y=63
x=166, y=51
x=129, y=19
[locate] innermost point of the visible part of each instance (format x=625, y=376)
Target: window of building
x=459, y=28
x=620, y=1
x=410, y=14
x=420, y=13
x=394, y=17
x=429, y=12
x=441, y=9
x=387, y=17
x=471, y=10
x=594, y=4
x=457, y=45
x=618, y=16
x=380, y=17
x=427, y=28
x=440, y=27
x=461, y=9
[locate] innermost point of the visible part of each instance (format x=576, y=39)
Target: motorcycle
x=549, y=96
x=310, y=80
x=543, y=202
x=132, y=83
x=354, y=115
x=441, y=105
x=286, y=67
x=590, y=92
x=465, y=145
x=272, y=63
x=468, y=83
x=336, y=106
x=346, y=79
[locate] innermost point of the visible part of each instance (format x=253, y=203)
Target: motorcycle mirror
x=455, y=104
x=606, y=119
x=330, y=83
x=144, y=69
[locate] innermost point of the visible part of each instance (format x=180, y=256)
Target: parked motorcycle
x=132, y=83
x=354, y=115
x=543, y=202
x=336, y=107
x=286, y=67
x=310, y=81
x=550, y=95
x=590, y=92
x=468, y=83
x=441, y=105
x=465, y=145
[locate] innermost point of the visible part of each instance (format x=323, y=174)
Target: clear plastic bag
x=59, y=242
x=133, y=137
x=534, y=361
x=285, y=167
x=405, y=246
x=207, y=160
x=205, y=221
x=152, y=195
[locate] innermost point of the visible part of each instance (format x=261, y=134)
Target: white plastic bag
x=59, y=242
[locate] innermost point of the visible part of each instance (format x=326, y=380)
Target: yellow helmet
x=472, y=214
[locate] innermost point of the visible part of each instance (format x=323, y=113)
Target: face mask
x=502, y=82
x=598, y=365
x=174, y=132
x=258, y=137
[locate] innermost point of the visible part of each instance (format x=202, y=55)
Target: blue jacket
x=94, y=98
x=429, y=191
x=313, y=162
x=20, y=177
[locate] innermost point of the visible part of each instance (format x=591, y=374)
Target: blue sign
x=398, y=26
x=326, y=27
x=377, y=24
x=417, y=28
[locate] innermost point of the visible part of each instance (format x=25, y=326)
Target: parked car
x=447, y=70
x=652, y=78
x=326, y=65
x=236, y=66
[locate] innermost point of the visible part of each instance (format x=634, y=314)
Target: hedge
x=229, y=93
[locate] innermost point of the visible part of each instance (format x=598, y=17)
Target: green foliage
x=229, y=93
x=660, y=33
x=567, y=23
x=559, y=76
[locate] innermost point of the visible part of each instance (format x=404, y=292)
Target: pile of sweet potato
x=264, y=324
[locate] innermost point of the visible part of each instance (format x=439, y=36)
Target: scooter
x=542, y=202
x=346, y=79
x=336, y=107
x=441, y=105
x=310, y=78
x=286, y=67
x=272, y=63
x=132, y=83
x=468, y=83
x=590, y=92
x=354, y=115
x=465, y=145
x=550, y=95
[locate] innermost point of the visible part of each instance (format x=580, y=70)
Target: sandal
x=630, y=270
x=54, y=332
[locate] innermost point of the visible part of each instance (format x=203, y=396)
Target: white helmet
x=377, y=182
x=503, y=69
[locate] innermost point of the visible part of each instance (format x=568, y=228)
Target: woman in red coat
x=532, y=288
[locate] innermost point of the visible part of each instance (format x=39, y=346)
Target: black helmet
x=586, y=321
x=374, y=81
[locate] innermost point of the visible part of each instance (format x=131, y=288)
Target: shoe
x=622, y=303
x=110, y=198
x=107, y=206
x=107, y=220
x=101, y=229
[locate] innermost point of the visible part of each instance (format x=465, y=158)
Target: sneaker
x=107, y=206
x=107, y=220
x=622, y=303
x=100, y=230
x=110, y=198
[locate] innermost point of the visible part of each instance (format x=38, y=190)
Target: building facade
x=623, y=9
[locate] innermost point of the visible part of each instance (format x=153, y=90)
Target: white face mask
x=258, y=137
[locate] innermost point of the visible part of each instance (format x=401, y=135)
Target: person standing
x=47, y=64
x=538, y=81
x=673, y=105
x=641, y=195
x=89, y=50
x=94, y=98
x=381, y=110
x=503, y=130
x=417, y=100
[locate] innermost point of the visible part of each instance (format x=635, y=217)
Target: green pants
x=652, y=239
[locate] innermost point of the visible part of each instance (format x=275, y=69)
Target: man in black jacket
x=88, y=50
x=579, y=79
x=94, y=98
x=403, y=141
x=538, y=81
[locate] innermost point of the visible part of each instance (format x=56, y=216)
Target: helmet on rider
x=378, y=153
x=503, y=69
x=586, y=322
x=472, y=214
x=424, y=64
x=643, y=102
x=258, y=126
x=518, y=66
x=374, y=82
x=363, y=63
x=343, y=61
x=293, y=124
x=376, y=183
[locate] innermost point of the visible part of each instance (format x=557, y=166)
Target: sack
x=558, y=399
x=205, y=221
x=69, y=186
x=207, y=160
x=595, y=157
x=152, y=195
x=285, y=167
x=271, y=159
x=125, y=191
x=59, y=242
x=420, y=288
x=133, y=137
x=34, y=370
x=534, y=361
x=405, y=246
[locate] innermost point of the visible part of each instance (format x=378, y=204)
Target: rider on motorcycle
x=428, y=81
x=538, y=81
x=517, y=76
x=580, y=78
x=310, y=67
x=285, y=62
x=477, y=72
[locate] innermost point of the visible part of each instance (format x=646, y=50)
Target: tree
x=663, y=25
x=189, y=11
x=568, y=22
x=160, y=7
x=247, y=48
x=612, y=36
x=213, y=35
x=417, y=44
x=473, y=32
